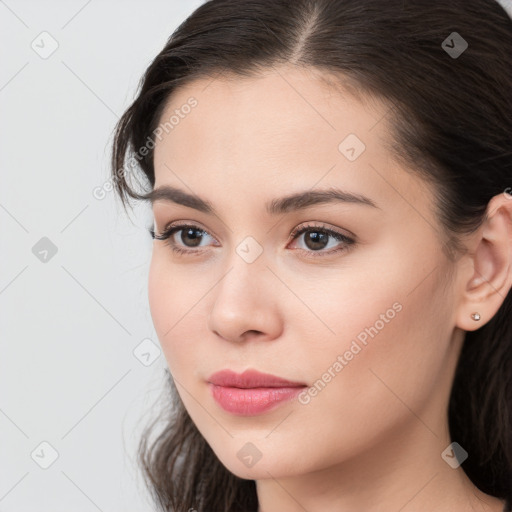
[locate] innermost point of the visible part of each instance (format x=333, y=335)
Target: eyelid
x=182, y=224
x=175, y=226
x=323, y=226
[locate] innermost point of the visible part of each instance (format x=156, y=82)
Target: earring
x=475, y=316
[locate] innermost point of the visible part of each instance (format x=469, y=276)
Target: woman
x=330, y=281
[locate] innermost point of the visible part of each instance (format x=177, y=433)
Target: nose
x=246, y=304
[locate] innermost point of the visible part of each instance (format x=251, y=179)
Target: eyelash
x=171, y=229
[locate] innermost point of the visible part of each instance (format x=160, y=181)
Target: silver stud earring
x=475, y=316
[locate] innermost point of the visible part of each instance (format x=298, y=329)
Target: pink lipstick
x=251, y=392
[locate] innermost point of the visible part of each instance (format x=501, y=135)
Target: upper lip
x=250, y=379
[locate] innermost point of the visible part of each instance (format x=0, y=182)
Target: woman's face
x=366, y=322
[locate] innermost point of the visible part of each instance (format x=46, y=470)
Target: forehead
x=289, y=127
x=285, y=106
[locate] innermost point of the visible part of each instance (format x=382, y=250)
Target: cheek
x=393, y=348
x=158, y=294
x=163, y=297
x=392, y=314
x=174, y=299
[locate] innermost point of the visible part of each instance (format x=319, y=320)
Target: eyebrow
x=294, y=202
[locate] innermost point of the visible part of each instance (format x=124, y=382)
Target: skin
x=372, y=439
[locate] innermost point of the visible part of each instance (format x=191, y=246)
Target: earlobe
x=491, y=263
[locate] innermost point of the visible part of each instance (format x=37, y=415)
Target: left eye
x=316, y=240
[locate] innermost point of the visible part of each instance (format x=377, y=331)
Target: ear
x=488, y=279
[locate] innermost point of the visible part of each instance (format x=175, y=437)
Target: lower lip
x=252, y=401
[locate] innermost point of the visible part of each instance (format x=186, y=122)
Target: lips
x=251, y=392
x=251, y=379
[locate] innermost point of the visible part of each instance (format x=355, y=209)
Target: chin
x=271, y=466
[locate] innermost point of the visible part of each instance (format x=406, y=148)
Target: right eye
x=189, y=232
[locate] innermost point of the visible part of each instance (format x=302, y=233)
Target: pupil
x=190, y=232
x=316, y=238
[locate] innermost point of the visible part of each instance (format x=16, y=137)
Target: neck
x=384, y=477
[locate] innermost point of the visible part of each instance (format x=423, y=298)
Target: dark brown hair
x=452, y=125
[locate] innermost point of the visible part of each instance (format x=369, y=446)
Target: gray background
x=80, y=367
x=71, y=321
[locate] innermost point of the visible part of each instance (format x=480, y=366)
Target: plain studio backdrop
x=80, y=365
